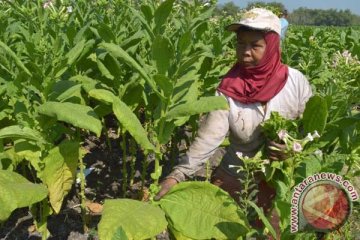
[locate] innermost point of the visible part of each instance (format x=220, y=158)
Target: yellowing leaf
x=59, y=172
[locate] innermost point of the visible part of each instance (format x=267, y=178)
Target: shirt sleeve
x=211, y=134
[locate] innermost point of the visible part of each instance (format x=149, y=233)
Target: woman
x=254, y=87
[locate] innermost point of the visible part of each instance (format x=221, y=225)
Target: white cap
x=259, y=19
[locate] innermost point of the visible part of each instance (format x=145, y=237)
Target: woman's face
x=250, y=48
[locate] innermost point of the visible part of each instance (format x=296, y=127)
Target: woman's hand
x=165, y=185
x=276, y=151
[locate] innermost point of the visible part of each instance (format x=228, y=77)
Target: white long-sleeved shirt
x=242, y=121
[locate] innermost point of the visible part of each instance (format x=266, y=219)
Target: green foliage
x=263, y=218
x=202, y=105
x=16, y=192
x=314, y=119
x=125, y=116
x=118, y=52
x=76, y=114
x=200, y=210
x=16, y=132
x=138, y=220
x=12, y=54
x=272, y=126
x=315, y=115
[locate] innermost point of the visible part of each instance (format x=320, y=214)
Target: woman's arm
x=210, y=135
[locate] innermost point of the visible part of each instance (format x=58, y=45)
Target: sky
x=352, y=5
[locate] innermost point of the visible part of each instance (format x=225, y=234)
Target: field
x=99, y=98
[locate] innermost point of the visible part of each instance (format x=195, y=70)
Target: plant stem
x=82, y=193
x=82, y=186
x=145, y=165
x=106, y=135
x=132, y=150
x=157, y=168
x=124, y=156
x=41, y=210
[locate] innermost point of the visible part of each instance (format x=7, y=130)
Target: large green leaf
x=86, y=82
x=315, y=115
x=201, y=210
x=16, y=192
x=165, y=84
x=184, y=41
x=102, y=95
x=65, y=90
x=118, y=52
x=60, y=171
x=145, y=24
x=125, y=116
x=168, y=129
x=186, y=89
x=73, y=94
x=131, y=123
x=16, y=132
x=104, y=70
x=162, y=53
x=205, y=104
x=17, y=60
x=162, y=13
x=31, y=152
x=139, y=220
x=75, y=52
x=76, y=114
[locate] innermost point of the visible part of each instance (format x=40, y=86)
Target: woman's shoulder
x=297, y=82
x=296, y=76
x=294, y=72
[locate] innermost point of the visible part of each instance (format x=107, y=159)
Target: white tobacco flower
x=346, y=54
x=315, y=134
x=47, y=4
x=282, y=134
x=239, y=154
x=309, y=137
x=297, y=147
x=69, y=9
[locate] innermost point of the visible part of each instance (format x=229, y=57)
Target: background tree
x=318, y=17
x=227, y=9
